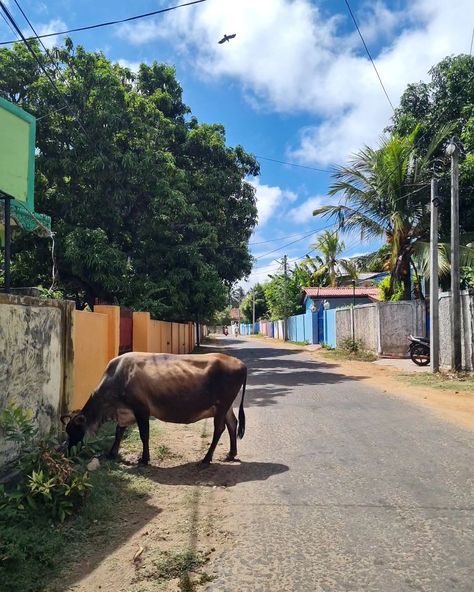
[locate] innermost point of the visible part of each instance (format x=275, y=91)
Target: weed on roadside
x=176, y=565
x=452, y=381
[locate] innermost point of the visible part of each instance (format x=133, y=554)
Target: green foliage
x=261, y=305
x=389, y=292
x=380, y=199
x=49, y=482
x=350, y=345
x=283, y=295
x=325, y=270
x=447, y=97
x=150, y=208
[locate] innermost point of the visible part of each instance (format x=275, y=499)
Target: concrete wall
x=397, y=321
x=366, y=326
x=35, y=360
x=467, y=330
x=382, y=327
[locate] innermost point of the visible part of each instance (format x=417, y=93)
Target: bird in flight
x=227, y=38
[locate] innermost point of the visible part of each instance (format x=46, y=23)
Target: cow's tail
x=241, y=427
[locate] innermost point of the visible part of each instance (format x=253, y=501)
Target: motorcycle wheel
x=420, y=354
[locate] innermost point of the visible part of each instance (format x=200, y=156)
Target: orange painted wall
x=91, y=353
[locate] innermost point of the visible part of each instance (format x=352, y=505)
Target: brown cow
x=174, y=388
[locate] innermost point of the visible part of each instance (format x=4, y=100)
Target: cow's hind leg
x=219, y=426
x=231, y=424
x=119, y=432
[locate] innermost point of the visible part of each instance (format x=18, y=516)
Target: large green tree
x=150, y=208
x=448, y=97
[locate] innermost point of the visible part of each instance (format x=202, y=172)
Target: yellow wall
x=96, y=342
x=113, y=315
x=141, y=336
x=91, y=353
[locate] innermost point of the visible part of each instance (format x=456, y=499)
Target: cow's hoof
x=205, y=462
x=230, y=458
x=111, y=456
x=143, y=461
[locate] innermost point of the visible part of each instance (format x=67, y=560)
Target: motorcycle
x=419, y=350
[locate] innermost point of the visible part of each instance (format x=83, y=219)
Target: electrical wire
x=472, y=41
x=110, y=23
x=38, y=61
x=368, y=53
x=301, y=166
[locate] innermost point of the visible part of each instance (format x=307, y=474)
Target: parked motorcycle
x=419, y=350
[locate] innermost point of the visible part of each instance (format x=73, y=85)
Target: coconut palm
x=327, y=266
x=386, y=194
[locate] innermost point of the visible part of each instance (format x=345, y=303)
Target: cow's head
x=75, y=427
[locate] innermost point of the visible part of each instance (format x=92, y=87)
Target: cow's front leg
x=143, y=421
x=119, y=432
x=219, y=426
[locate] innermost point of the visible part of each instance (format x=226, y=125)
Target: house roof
x=345, y=292
x=235, y=314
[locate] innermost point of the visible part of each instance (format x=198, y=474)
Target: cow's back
x=178, y=388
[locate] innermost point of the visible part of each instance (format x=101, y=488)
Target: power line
x=368, y=53
x=272, y=240
x=109, y=23
x=472, y=41
x=301, y=166
x=38, y=61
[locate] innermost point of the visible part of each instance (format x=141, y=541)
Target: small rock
x=93, y=465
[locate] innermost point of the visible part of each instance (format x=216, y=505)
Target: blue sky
x=294, y=85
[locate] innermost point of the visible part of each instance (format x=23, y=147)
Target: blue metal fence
x=329, y=336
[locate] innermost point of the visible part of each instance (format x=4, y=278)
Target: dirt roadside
x=165, y=541
x=172, y=539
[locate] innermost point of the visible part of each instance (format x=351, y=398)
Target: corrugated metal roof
x=345, y=292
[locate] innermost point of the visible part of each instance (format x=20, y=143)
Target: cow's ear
x=80, y=419
x=65, y=418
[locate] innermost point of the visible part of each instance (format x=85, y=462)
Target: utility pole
x=253, y=308
x=285, y=306
x=434, y=284
x=453, y=151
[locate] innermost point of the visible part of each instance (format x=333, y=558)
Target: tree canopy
x=447, y=98
x=149, y=207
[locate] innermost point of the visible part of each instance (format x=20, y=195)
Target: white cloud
x=271, y=200
x=304, y=212
x=133, y=66
x=45, y=28
x=290, y=56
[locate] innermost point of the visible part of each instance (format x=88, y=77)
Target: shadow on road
x=219, y=474
x=275, y=372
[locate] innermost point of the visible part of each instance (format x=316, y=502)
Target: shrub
x=49, y=481
x=352, y=346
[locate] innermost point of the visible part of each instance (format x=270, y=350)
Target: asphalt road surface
x=344, y=487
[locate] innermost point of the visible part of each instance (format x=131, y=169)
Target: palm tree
x=328, y=266
x=386, y=194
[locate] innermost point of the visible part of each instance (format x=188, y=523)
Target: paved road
x=352, y=490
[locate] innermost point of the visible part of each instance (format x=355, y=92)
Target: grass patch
x=299, y=342
x=459, y=382
x=343, y=354
x=176, y=565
